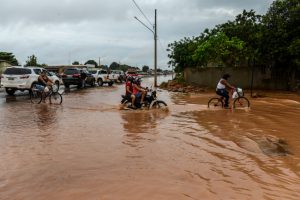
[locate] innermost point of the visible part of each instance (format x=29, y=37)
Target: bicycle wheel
x=35, y=96
x=241, y=102
x=55, y=98
x=215, y=103
x=158, y=105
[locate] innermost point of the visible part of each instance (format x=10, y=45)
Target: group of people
x=134, y=90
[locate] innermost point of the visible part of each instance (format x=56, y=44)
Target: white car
x=23, y=78
x=117, y=75
x=101, y=76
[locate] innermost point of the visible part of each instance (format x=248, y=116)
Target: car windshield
x=71, y=71
x=93, y=72
x=17, y=71
x=37, y=71
x=103, y=72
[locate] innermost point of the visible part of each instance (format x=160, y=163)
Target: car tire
x=111, y=83
x=10, y=91
x=67, y=86
x=93, y=83
x=100, y=82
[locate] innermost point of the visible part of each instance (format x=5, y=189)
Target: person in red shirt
x=129, y=90
x=138, y=90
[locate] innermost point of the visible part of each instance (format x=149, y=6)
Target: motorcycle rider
x=138, y=90
x=129, y=90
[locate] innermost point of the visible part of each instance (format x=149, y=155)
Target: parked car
x=118, y=75
x=101, y=76
x=58, y=76
x=72, y=76
x=23, y=78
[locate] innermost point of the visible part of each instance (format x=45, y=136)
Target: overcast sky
x=63, y=31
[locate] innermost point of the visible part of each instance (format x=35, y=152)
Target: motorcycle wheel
x=125, y=104
x=158, y=105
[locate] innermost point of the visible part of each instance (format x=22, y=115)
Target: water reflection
x=45, y=116
x=141, y=125
x=10, y=98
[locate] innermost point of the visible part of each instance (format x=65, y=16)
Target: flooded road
x=87, y=148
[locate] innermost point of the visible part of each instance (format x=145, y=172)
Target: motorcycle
x=150, y=101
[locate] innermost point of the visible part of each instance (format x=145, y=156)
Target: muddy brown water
x=88, y=148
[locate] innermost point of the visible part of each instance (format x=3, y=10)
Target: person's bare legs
x=143, y=96
x=132, y=100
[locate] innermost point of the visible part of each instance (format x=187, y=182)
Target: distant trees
x=145, y=68
x=31, y=61
x=75, y=63
x=9, y=57
x=91, y=62
x=114, y=66
x=271, y=40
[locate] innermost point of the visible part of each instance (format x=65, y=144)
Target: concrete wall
x=3, y=65
x=240, y=77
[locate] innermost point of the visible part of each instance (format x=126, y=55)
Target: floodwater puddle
x=88, y=148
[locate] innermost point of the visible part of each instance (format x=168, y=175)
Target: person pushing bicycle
x=221, y=89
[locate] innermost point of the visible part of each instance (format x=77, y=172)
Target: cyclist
x=44, y=81
x=221, y=89
x=129, y=90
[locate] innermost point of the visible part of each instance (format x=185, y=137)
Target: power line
x=142, y=12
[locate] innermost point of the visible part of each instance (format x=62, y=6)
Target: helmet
x=130, y=79
x=138, y=81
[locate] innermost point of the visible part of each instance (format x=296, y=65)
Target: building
x=3, y=65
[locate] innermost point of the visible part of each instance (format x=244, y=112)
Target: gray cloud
x=62, y=31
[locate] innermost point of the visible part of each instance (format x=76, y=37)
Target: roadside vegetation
x=251, y=40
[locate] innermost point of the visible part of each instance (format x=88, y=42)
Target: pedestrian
x=83, y=76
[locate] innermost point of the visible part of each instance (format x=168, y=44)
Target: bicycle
x=239, y=100
x=37, y=96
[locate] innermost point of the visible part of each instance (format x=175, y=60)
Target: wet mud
x=89, y=148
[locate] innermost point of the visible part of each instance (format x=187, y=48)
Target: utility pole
x=99, y=63
x=155, y=51
x=154, y=31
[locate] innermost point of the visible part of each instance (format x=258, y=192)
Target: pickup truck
x=117, y=75
x=101, y=76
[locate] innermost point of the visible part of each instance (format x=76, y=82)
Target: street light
x=154, y=31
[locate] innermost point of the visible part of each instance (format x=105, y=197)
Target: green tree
x=145, y=68
x=281, y=39
x=281, y=33
x=75, y=63
x=114, y=66
x=246, y=27
x=221, y=49
x=32, y=61
x=91, y=62
x=181, y=53
x=9, y=57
